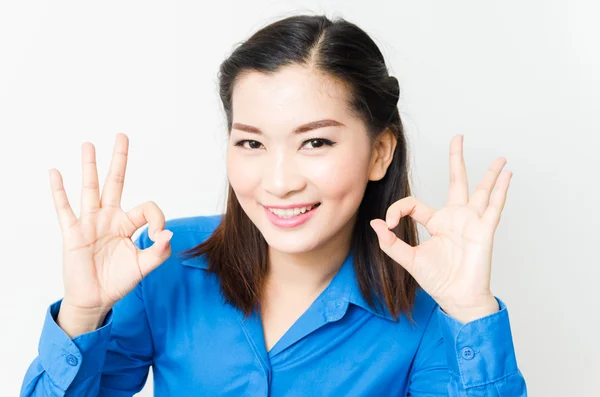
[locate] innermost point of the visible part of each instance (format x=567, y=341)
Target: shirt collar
x=198, y=261
x=342, y=288
x=345, y=286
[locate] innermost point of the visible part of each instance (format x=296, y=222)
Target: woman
x=313, y=282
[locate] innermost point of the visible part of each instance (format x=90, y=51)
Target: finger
x=153, y=256
x=494, y=211
x=66, y=217
x=395, y=248
x=408, y=206
x=90, y=189
x=113, y=186
x=148, y=213
x=459, y=185
x=481, y=197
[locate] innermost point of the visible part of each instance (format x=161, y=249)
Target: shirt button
x=72, y=360
x=468, y=353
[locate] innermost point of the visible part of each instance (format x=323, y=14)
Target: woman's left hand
x=454, y=265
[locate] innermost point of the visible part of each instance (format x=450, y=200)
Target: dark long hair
x=236, y=251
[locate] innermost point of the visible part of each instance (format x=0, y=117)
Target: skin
x=279, y=167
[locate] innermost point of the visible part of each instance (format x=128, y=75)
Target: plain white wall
x=518, y=78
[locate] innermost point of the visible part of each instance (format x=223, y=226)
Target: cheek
x=346, y=176
x=242, y=177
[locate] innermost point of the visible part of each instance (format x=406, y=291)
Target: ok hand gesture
x=454, y=265
x=101, y=264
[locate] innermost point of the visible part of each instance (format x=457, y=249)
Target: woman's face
x=278, y=167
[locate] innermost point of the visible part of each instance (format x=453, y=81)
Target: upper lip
x=283, y=207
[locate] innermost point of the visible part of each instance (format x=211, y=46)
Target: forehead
x=291, y=95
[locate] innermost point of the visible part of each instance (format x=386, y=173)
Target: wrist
x=76, y=321
x=471, y=311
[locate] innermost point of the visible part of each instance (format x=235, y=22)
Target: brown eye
x=319, y=143
x=253, y=144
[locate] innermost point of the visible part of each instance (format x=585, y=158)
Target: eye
x=320, y=142
x=315, y=142
x=253, y=144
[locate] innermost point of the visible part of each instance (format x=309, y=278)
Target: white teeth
x=288, y=213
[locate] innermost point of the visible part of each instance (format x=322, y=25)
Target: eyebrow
x=313, y=125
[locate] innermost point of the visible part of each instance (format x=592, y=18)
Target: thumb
x=154, y=256
x=385, y=236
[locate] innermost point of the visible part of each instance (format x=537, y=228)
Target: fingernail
x=169, y=234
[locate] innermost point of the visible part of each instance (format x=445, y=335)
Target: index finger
x=408, y=206
x=149, y=213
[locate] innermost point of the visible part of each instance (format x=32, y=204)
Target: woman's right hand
x=101, y=264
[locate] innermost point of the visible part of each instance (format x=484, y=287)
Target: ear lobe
x=376, y=174
x=375, y=171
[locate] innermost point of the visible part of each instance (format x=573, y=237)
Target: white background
x=518, y=78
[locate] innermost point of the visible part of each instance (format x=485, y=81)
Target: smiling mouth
x=290, y=213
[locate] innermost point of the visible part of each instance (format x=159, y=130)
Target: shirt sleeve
x=467, y=360
x=112, y=360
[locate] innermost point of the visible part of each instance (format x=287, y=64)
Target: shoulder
x=182, y=286
x=187, y=231
x=424, y=309
x=200, y=223
x=191, y=231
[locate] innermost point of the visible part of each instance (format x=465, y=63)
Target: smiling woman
x=299, y=288
x=276, y=159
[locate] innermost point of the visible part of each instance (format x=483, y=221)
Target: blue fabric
x=176, y=320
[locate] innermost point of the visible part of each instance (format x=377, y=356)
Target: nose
x=281, y=175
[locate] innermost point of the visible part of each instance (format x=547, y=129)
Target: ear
x=382, y=155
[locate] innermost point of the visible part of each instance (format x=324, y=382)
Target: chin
x=290, y=244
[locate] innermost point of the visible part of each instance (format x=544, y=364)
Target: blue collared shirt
x=176, y=321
